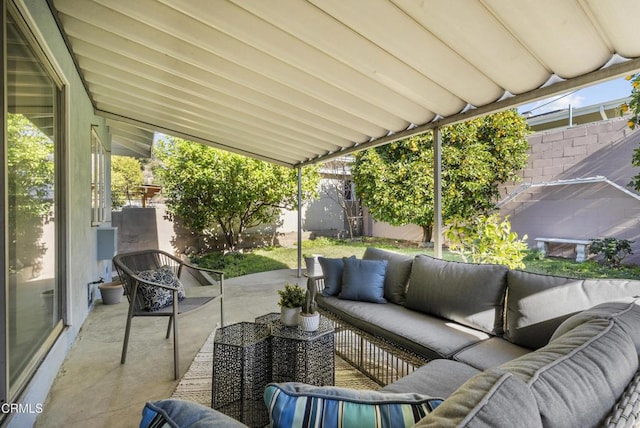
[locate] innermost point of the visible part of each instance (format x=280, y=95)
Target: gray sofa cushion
x=490, y=353
x=489, y=400
x=423, y=334
x=577, y=378
x=537, y=304
x=398, y=271
x=624, y=311
x=437, y=378
x=470, y=294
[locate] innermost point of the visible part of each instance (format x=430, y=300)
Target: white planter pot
x=309, y=322
x=289, y=316
x=313, y=265
x=111, y=292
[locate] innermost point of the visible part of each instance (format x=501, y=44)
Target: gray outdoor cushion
x=489, y=400
x=490, y=353
x=470, y=294
x=398, y=271
x=537, y=304
x=423, y=334
x=624, y=311
x=577, y=378
x=437, y=378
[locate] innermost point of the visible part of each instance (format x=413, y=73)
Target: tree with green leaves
x=633, y=107
x=395, y=181
x=210, y=188
x=126, y=179
x=30, y=171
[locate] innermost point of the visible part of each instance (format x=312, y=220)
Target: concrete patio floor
x=94, y=389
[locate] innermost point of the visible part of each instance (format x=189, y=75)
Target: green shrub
x=487, y=239
x=292, y=296
x=613, y=250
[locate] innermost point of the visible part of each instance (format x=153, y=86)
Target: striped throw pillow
x=297, y=405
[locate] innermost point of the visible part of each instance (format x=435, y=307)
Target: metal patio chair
x=130, y=265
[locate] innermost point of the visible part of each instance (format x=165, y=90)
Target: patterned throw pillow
x=298, y=405
x=156, y=298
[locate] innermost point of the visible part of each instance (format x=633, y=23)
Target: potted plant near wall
x=291, y=300
x=309, y=317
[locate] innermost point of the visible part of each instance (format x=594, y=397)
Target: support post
x=299, y=222
x=437, y=196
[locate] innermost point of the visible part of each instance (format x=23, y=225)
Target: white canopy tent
x=295, y=82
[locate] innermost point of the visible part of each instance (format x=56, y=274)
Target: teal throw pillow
x=332, y=272
x=298, y=405
x=363, y=280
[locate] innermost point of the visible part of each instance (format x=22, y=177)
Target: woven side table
x=241, y=371
x=299, y=356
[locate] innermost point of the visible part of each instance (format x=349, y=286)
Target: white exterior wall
x=82, y=266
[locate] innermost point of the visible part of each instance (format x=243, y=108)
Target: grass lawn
x=265, y=259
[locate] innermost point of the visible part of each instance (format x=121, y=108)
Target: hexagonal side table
x=299, y=356
x=241, y=371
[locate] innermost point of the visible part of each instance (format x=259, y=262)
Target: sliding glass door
x=33, y=251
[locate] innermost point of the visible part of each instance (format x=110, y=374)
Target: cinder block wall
x=590, y=210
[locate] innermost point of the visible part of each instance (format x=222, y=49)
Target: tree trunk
x=427, y=233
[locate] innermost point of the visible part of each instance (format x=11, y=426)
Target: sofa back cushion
x=397, y=276
x=490, y=399
x=577, y=378
x=537, y=304
x=467, y=293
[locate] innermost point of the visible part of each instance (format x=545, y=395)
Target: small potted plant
x=309, y=317
x=291, y=300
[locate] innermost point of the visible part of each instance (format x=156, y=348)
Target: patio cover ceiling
x=294, y=82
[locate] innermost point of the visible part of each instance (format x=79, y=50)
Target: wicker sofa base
x=381, y=360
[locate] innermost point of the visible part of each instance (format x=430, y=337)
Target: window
x=34, y=276
x=98, y=210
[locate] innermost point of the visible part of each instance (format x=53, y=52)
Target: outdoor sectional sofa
x=502, y=347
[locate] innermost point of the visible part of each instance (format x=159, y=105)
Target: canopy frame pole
x=300, y=222
x=437, y=193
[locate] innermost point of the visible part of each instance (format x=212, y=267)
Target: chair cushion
x=397, y=276
x=332, y=271
x=296, y=405
x=436, y=287
x=363, y=280
x=155, y=297
x=182, y=413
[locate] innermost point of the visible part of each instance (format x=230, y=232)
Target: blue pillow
x=363, y=280
x=181, y=413
x=332, y=272
x=298, y=405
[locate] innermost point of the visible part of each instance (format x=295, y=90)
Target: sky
x=603, y=92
